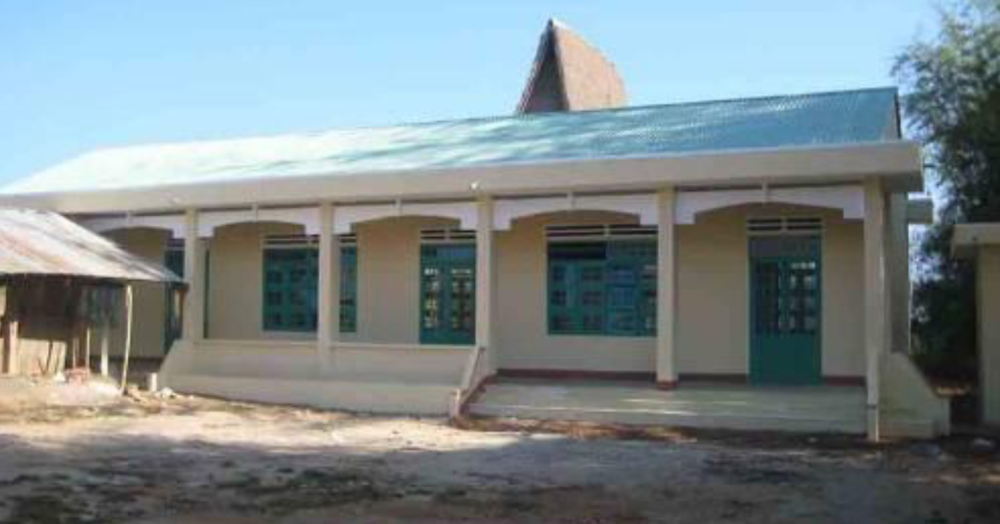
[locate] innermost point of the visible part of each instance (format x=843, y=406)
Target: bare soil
x=193, y=460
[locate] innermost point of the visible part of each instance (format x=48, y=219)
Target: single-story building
x=759, y=241
x=981, y=242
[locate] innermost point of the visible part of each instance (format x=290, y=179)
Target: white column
x=876, y=299
x=194, y=274
x=666, y=290
x=328, y=286
x=485, y=282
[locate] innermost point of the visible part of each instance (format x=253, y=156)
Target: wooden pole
x=12, y=349
x=74, y=342
x=105, y=341
x=128, y=333
x=5, y=333
x=86, y=349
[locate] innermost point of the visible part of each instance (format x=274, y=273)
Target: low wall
x=418, y=380
x=909, y=405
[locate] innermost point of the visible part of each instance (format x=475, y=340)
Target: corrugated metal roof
x=45, y=243
x=835, y=118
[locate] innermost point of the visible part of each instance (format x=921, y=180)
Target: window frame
x=623, y=265
x=309, y=246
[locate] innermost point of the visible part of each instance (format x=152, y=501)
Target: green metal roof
x=834, y=118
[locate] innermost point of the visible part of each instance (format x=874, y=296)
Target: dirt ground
x=194, y=460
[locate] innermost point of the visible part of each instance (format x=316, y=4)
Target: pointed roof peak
x=570, y=74
x=555, y=22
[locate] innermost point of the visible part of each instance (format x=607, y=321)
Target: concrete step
x=803, y=410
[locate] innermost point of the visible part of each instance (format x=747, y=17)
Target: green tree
x=953, y=106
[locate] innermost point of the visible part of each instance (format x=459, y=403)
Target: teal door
x=448, y=294
x=785, y=310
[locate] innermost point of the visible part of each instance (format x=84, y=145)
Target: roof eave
x=967, y=238
x=899, y=163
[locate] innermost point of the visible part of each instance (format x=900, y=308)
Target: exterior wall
x=988, y=277
x=236, y=282
x=43, y=339
x=389, y=279
x=713, y=292
x=522, y=335
x=713, y=287
x=150, y=299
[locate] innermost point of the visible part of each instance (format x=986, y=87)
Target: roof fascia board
x=967, y=238
x=899, y=163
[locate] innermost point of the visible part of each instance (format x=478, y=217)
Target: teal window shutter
x=290, y=287
x=348, y=289
x=602, y=288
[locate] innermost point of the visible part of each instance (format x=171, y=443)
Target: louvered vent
x=444, y=236
x=599, y=231
x=784, y=225
x=299, y=241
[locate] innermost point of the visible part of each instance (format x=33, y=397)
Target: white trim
x=308, y=217
x=849, y=199
x=641, y=205
x=347, y=216
x=172, y=223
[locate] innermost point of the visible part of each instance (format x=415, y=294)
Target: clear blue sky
x=80, y=75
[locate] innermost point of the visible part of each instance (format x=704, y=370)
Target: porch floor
x=704, y=405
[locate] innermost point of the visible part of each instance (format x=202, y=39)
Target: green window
x=348, y=289
x=291, y=278
x=602, y=288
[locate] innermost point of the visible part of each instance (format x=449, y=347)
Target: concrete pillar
x=988, y=291
x=328, y=286
x=486, y=282
x=876, y=299
x=194, y=274
x=666, y=291
x=898, y=268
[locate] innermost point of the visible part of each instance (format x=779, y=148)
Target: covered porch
x=407, y=306
x=715, y=405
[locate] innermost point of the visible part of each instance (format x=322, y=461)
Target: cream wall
x=713, y=298
x=522, y=335
x=988, y=278
x=389, y=278
x=713, y=265
x=149, y=308
x=713, y=292
x=236, y=282
x=388, y=281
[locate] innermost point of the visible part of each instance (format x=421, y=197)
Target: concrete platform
x=804, y=409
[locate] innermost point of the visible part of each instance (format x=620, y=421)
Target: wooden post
x=105, y=341
x=10, y=347
x=86, y=348
x=666, y=291
x=128, y=332
x=74, y=345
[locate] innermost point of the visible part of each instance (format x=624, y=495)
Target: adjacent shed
x=59, y=285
